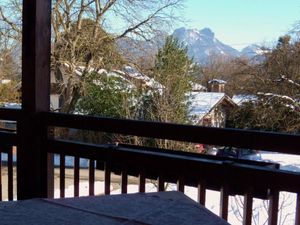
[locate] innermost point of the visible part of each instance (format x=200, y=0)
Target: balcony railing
x=230, y=177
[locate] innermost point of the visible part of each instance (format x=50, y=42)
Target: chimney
x=216, y=85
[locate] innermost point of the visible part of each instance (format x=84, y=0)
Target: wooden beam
x=268, y=141
x=33, y=176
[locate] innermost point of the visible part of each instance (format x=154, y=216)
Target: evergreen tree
x=172, y=69
x=108, y=96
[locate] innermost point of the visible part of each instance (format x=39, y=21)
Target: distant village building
x=216, y=85
x=210, y=108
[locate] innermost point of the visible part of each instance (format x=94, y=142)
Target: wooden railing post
x=34, y=179
x=248, y=205
x=273, y=207
x=201, y=192
x=224, y=200
x=297, y=219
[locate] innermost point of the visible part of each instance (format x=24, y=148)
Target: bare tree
x=276, y=84
x=83, y=28
x=235, y=71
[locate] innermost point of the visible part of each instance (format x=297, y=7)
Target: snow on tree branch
x=284, y=78
x=295, y=102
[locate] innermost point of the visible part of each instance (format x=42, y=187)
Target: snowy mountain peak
x=186, y=36
x=202, y=44
x=253, y=49
x=254, y=52
x=207, y=32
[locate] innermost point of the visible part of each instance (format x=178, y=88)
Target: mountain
x=202, y=44
x=141, y=51
x=254, y=53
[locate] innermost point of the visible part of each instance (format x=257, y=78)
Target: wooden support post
x=35, y=177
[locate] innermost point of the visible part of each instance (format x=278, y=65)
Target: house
x=210, y=108
x=217, y=85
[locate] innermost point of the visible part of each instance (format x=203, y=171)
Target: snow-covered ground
x=286, y=161
x=260, y=207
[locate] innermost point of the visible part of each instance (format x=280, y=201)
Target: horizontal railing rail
x=8, y=138
x=224, y=171
x=10, y=114
x=267, y=141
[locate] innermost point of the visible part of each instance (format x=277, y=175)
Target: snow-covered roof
x=122, y=84
x=217, y=81
x=242, y=98
x=202, y=103
x=150, y=82
x=124, y=74
x=197, y=87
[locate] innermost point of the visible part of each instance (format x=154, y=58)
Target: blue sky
x=242, y=22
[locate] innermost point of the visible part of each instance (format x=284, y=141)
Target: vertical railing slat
x=91, y=177
x=161, y=183
x=202, y=192
x=62, y=174
x=10, y=174
x=273, y=207
x=248, y=203
x=180, y=184
x=76, y=176
x=142, y=182
x=0, y=176
x=107, y=178
x=124, y=181
x=224, y=202
x=297, y=219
